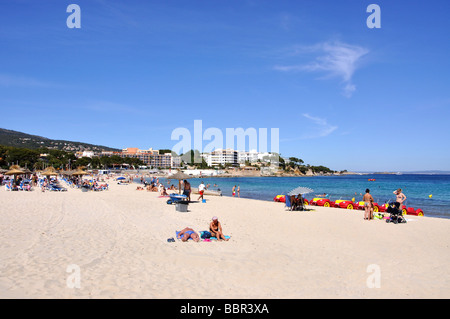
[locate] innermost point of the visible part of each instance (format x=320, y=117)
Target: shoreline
x=118, y=238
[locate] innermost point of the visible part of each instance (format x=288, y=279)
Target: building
x=221, y=157
x=80, y=154
x=251, y=156
x=152, y=157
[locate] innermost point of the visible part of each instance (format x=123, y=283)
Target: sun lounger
x=55, y=188
x=175, y=198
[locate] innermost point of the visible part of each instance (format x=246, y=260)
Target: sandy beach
x=117, y=239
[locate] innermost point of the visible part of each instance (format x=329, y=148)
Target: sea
x=431, y=192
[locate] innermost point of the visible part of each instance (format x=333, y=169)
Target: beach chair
x=56, y=188
x=287, y=203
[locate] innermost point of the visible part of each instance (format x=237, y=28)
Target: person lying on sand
x=187, y=233
x=216, y=229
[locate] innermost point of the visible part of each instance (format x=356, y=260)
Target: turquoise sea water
x=417, y=188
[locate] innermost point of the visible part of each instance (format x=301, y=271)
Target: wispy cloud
x=322, y=127
x=335, y=60
x=7, y=80
x=319, y=127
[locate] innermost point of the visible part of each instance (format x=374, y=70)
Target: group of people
x=368, y=202
x=153, y=186
x=187, y=189
x=215, y=228
x=238, y=190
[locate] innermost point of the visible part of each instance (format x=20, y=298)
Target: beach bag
x=205, y=235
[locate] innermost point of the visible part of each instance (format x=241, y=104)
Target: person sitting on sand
x=187, y=233
x=139, y=188
x=163, y=191
x=216, y=229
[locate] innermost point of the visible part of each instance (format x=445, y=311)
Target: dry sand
x=118, y=239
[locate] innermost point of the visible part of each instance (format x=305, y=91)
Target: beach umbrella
x=15, y=170
x=179, y=176
x=300, y=190
x=79, y=172
x=49, y=171
x=27, y=171
x=120, y=178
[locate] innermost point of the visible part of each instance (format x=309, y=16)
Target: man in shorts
x=201, y=190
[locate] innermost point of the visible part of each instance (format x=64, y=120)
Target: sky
x=342, y=95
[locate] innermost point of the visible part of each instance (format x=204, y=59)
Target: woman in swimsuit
x=368, y=207
x=216, y=229
x=400, y=197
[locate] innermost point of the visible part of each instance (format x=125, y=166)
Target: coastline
x=118, y=238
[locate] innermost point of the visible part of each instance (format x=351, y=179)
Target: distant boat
x=210, y=192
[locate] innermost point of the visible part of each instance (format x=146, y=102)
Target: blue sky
x=342, y=95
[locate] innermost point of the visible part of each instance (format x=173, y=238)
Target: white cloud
x=322, y=126
x=335, y=60
x=319, y=128
x=14, y=81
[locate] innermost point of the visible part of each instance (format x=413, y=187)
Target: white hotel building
x=221, y=157
x=235, y=158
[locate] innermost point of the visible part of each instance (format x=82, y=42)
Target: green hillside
x=19, y=139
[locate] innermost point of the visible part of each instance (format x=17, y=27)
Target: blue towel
x=214, y=238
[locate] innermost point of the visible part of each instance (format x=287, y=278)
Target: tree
x=296, y=161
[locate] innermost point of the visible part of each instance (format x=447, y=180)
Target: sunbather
x=216, y=229
x=187, y=233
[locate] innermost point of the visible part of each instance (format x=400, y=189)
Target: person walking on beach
x=239, y=191
x=234, y=190
x=368, y=206
x=400, y=197
x=201, y=190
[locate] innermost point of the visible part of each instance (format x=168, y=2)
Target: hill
x=19, y=139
